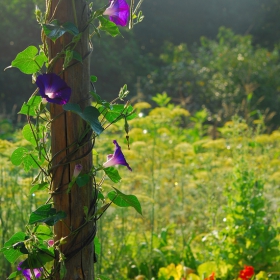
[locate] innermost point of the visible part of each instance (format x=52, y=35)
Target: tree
x=227, y=76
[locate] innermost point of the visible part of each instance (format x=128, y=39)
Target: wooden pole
x=68, y=149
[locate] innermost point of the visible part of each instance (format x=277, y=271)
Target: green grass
x=207, y=204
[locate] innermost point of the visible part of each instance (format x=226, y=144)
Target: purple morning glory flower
x=53, y=88
x=118, y=12
x=116, y=158
x=77, y=170
x=27, y=272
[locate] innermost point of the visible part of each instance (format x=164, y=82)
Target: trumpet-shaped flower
x=118, y=12
x=247, y=273
x=27, y=272
x=53, y=88
x=77, y=170
x=116, y=158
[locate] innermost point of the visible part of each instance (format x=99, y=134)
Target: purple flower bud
x=50, y=243
x=53, y=88
x=77, y=170
x=116, y=158
x=118, y=12
x=27, y=272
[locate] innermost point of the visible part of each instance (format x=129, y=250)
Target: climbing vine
x=36, y=246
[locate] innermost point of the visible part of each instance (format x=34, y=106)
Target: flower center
x=50, y=94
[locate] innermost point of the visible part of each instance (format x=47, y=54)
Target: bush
x=227, y=76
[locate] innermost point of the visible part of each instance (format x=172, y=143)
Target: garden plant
x=62, y=128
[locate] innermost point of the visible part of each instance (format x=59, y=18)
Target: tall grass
x=16, y=200
x=202, y=199
x=187, y=182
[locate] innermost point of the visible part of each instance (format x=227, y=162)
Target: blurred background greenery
x=166, y=52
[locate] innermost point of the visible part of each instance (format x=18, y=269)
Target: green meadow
x=208, y=205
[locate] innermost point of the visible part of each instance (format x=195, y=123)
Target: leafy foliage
x=29, y=61
x=54, y=30
x=208, y=203
x=46, y=214
x=90, y=115
x=226, y=76
x=38, y=242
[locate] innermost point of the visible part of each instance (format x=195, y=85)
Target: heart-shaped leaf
x=46, y=214
x=123, y=200
x=90, y=115
x=29, y=61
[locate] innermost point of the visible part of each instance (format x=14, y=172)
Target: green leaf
x=123, y=92
x=90, y=115
x=77, y=56
x=67, y=59
x=23, y=156
x=113, y=174
x=45, y=254
x=85, y=210
x=14, y=274
x=98, y=100
x=82, y=180
x=28, y=131
x=28, y=134
x=28, y=61
x=100, y=195
x=77, y=38
x=38, y=258
x=46, y=214
x=31, y=106
x=17, y=155
x=123, y=200
x=73, y=107
x=11, y=253
x=62, y=270
x=108, y=26
x=97, y=245
x=117, y=112
x=96, y=30
x=54, y=30
x=93, y=79
x=113, y=196
x=37, y=178
x=99, y=12
x=71, y=28
x=39, y=187
x=43, y=232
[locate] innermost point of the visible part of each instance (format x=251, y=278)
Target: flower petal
x=77, y=170
x=118, y=12
x=27, y=272
x=53, y=88
x=117, y=158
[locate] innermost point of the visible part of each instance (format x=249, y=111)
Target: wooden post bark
x=68, y=149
